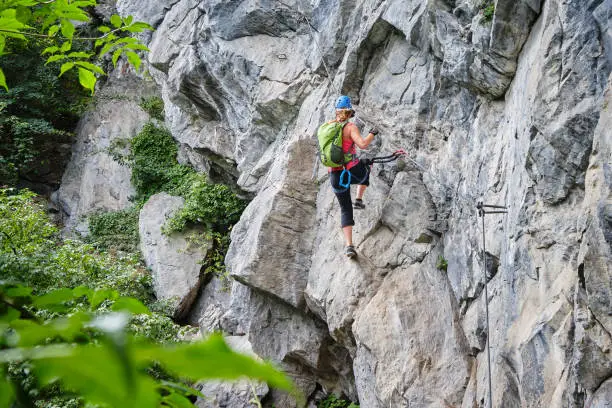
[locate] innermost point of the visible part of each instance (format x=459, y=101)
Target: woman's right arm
x=361, y=142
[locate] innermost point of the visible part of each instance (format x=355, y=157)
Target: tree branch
x=30, y=34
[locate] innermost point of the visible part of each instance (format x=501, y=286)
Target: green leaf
x=111, y=44
x=55, y=58
x=56, y=297
x=81, y=291
x=66, y=46
x=11, y=27
x=128, y=20
x=18, y=291
x=131, y=305
x=53, y=30
x=221, y=362
x=139, y=26
x=96, y=372
x=182, y=388
x=87, y=79
x=116, y=56
x=66, y=67
x=134, y=59
x=67, y=29
x=71, y=327
x=50, y=50
x=9, y=13
x=2, y=44
x=137, y=47
x=177, y=400
x=91, y=67
x=80, y=54
x=29, y=333
x=23, y=14
x=7, y=393
x=116, y=20
x=10, y=315
x=101, y=295
x=104, y=29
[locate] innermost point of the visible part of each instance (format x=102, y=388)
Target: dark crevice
x=204, y=92
x=581, y=276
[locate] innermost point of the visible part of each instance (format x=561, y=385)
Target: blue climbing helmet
x=344, y=102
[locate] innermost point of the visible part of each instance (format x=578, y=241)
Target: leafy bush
x=332, y=401
x=79, y=306
x=116, y=230
x=154, y=165
x=32, y=253
x=154, y=106
x=212, y=205
x=217, y=208
x=37, y=113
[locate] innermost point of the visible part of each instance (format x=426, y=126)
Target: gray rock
x=212, y=303
x=285, y=232
x=394, y=334
x=94, y=180
x=603, y=396
x=232, y=394
x=175, y=259
x=149, y=11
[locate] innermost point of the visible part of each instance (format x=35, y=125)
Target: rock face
x=94, y=180
x=174, y=260
x=237, y=394
x=505, y=102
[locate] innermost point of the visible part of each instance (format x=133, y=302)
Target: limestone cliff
x=507, y=105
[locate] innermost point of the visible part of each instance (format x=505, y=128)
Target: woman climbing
x=359, y=171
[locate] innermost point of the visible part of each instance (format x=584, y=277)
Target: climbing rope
x=385, y=159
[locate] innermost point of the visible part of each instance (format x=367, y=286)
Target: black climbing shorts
x=360, y=174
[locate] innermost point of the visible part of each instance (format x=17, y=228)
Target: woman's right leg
x=346, y=207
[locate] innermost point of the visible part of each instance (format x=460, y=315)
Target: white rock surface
x=175, y=260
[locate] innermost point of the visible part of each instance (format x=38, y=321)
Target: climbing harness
x=482, y=211
x=347, y=184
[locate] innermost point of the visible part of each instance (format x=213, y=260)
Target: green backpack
x=330, y=144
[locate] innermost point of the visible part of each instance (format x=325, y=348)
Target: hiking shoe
x=358, y=204
x=349, y=251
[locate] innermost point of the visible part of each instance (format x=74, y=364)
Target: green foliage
x=115, y=230
x=154, y=169
x=24, y=225
x=442, y=264
x=108, y=369
x=154, y=106
x=215, y=257
x=213, y=205
x=54, y=22
x=487, y=9
x=154, y=166
x=39, y=110
x=332, y=401
x=80, y=333
x=217, y=208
